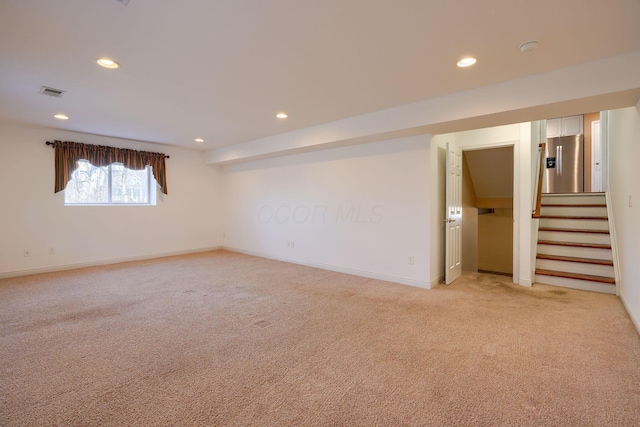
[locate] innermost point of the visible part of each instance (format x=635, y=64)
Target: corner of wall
x=632, y=315
x=622, y=127
x=436, y=281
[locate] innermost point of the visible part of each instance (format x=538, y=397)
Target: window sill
x=108, y=204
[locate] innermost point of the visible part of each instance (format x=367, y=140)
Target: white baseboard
x=436, y=281
x=524, y=282
x=337, y=268
x=63, y=267
x=631, y=314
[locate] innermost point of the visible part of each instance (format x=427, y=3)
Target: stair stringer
x=614, y=244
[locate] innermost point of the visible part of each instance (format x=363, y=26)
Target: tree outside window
x=113, y=184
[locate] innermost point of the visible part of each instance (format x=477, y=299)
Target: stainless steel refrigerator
x=564, y=165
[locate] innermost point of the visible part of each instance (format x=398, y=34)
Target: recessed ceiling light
x=61, y=116
x=282, y=115
x=199, y=140
x=467, y=62
x=107, y=63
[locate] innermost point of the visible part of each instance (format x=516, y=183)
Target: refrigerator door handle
x=561, y=160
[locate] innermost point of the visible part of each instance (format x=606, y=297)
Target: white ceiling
x=222, y=69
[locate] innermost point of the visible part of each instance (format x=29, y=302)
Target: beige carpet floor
x=226, y=339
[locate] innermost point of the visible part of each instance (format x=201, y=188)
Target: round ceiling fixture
x=467, y=62
x=199, y=140
x=529, y=46
x=282, y=115
x=61, y=116
x=107, y=63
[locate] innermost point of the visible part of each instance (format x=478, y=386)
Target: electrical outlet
x=224, y=235
x=411, y=260
x=26, y=252
x=629, y=200
x=290, y=244
x=52, y=251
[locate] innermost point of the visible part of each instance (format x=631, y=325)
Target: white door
x=453, y=216
x=596, y=157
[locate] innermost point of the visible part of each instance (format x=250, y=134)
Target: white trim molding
x=634, y=319
x=337, y=268
x=436, y=281
x=63, y=267
x=614, y=243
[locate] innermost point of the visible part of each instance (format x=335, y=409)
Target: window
x=110, y=185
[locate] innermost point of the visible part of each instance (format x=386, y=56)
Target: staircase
x=574, y=246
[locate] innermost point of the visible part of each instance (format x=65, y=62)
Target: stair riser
x=558, y=236
x=576, y=267
x=571, y=211
x=581, y=199
x=576, y=284
x=571, y=251
x=587, y=224
x=604, y=271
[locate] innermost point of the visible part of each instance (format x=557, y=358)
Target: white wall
x=32, y=217
x=360, y=209
x=518, y=135
x=624, y=177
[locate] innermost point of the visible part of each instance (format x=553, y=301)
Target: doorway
x=487, y=203
x=523, y=139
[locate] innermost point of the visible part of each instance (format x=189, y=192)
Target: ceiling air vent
x=122, y=2
x=49, y=91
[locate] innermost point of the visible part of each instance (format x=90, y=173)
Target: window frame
x=151, y=189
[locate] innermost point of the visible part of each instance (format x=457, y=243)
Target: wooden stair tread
x=575, y=244
x=578, y=276
x=599, y=218
x=575, y=259
x=582, y=194
x=569, y=205
x=573, y=230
